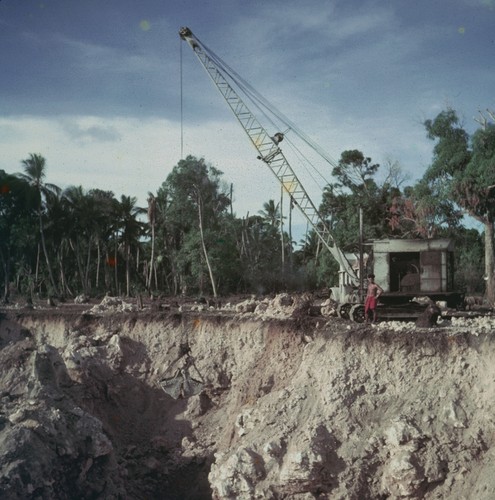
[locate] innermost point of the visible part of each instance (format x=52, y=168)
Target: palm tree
x=55, y=229
x=34, y=173
x=18, y=212
x=80, y=207
x=103, y=223
x=131, y=229
x=271, y=213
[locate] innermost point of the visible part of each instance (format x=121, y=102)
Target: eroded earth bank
x=296, y=406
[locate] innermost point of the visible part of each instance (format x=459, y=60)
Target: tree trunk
x=6, y=275
x=98, y=262
x=87, y=286
x=155, y=274
x=490, y=261
x=210, y=271
x=152, y=258
x=116, y=273
x=64, y=286
x=107, y=270
x=37, y=271
x=47, y=259
x=75, y=247
x=128, y=270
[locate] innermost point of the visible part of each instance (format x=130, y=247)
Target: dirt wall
x=290, y=408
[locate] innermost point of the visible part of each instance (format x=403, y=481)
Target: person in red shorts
x=374, y=291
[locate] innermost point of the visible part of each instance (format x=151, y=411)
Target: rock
x=236, y=478
x=429, y=317
x=247, y=306
x=81, y=299
x=283, y=300
x=329, y=308
x=402, y=478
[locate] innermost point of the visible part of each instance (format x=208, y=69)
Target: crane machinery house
x=409, y=268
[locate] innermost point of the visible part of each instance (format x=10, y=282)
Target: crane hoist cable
x=181, y=102
x=301, y=156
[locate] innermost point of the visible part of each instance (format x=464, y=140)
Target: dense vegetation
x=62, y=243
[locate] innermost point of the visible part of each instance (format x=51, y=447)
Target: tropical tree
x=57, y=229
x=259, y=254
x=355, y=171
x=271, y=213
x=469, y=253
x=78, y=208
x=34, y=174
x=131, y=229
x=424, y=211
x=195, y=199
x=355, y=189
x=18, y=214
x=464, y=166
x=103, y=224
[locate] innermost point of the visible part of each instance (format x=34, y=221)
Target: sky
x=95, y=86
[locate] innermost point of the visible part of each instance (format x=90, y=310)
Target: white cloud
x=490, y=4
x=138, y=158
x=89, y=128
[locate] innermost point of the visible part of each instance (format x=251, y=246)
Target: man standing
x=374, y=291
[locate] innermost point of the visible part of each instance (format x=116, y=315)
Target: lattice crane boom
x=270, y=153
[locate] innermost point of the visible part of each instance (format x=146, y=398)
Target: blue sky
x=94, y=86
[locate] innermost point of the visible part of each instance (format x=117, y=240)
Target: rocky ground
x=294, y=403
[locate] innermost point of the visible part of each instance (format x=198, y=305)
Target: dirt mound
x=112, y=305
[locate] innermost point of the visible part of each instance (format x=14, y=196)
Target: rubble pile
x=112, y=305
x=454, y=326
x=50, y=445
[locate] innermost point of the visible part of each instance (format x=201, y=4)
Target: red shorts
x=370, y=304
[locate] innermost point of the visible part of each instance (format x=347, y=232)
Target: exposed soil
x=294, y=404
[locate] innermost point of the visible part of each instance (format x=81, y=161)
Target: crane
x=270, y=153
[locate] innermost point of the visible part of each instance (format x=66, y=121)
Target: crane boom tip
x=185, y=32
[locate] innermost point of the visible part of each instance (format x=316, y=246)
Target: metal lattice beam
x=269, y=153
